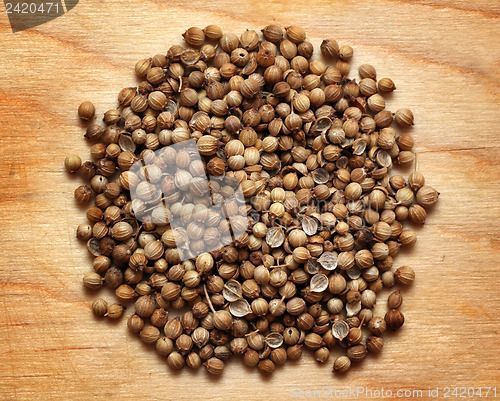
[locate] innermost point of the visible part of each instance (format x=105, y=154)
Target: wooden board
x=444, y=57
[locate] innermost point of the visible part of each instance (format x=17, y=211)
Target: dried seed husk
x=321, y=176
x=274, y=340
x=384, y=158
x=328, y=260
x=319, y=283
x=340, y=330
x=321, y=125
x=190, y=56
x=359, y=146
x=232, y=291
x=240, y=308
x=353, y=308
x=275, y=237
x=309, y=225
x=93, y=247
x=312, y=266
x=126, y=143
x=354, y=272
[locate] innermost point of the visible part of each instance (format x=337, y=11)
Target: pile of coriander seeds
x=312, y=150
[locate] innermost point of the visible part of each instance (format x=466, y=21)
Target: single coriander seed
x=404, y=275
x=394, y=319
x=72, y=163
x=100, y=307
x=342, y=364
x=86, y=111
x=115, y=311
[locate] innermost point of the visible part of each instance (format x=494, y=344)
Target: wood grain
x=445, y=59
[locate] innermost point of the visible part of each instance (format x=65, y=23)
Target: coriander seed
x=427, y=196
x=404, y=117
x=93, y=281
x=356, y=353
x=86, y=111
x=164, y=346
x=84, y=232
x=72, y=163
x=386, y=85
x=322, y=354
x=395, y=300
x=394, y=319
x=213, y=32
x=342, y=364
x=149, y=334
x=374, y=344
x=83, y=194
x=100, y=307
x=404, y=275
x=175, y=360
x=214, y=366
x=266, y=366
x=377, y=326
x=115, y=311
x=135, y=323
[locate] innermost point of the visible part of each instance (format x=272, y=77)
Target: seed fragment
x=232, y=291
x=328, y=260
x=319, y=283
x=340, y=330
x=240, y=308
x=275, y=237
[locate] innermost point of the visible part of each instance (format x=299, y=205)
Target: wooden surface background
x=445, y=59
